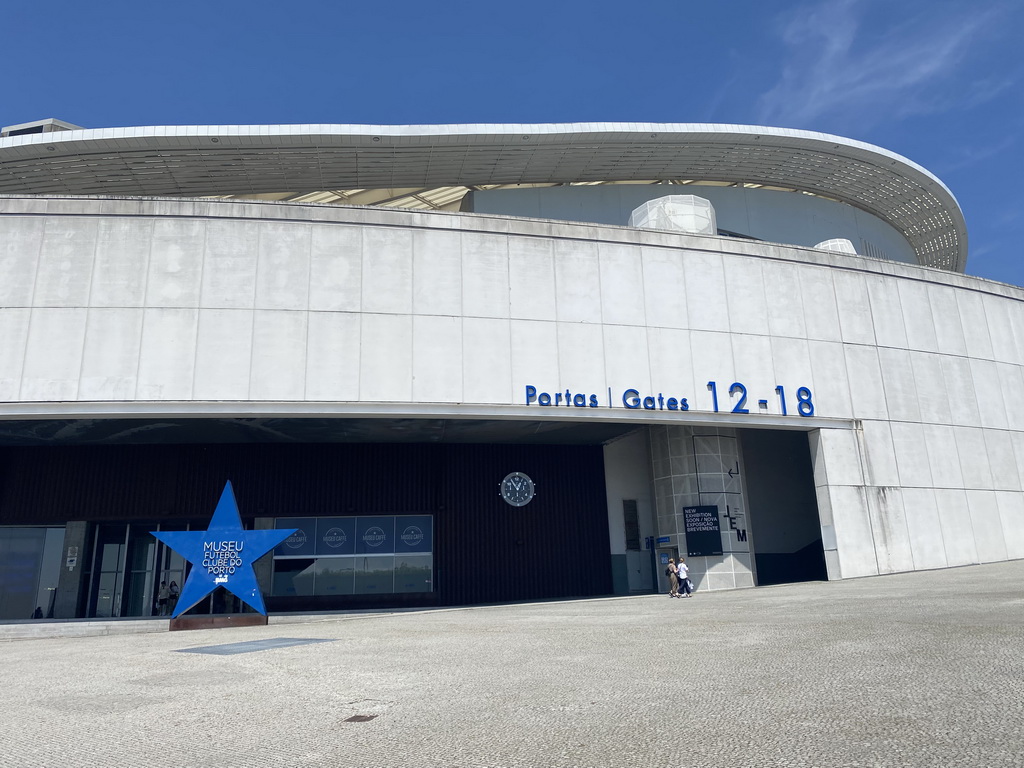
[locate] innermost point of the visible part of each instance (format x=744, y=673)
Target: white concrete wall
x=627, y=475
x=146, y=306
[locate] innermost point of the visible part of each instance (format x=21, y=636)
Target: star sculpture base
x=218, y=622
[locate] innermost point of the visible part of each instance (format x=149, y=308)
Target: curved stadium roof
x=430, y=166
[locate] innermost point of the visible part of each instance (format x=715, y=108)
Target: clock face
x=517, y=489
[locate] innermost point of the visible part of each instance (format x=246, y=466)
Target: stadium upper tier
x=435, y=166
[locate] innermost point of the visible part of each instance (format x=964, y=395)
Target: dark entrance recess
x=782, y=506
x=484, y=549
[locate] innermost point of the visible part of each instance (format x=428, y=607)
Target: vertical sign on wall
x=703, y=532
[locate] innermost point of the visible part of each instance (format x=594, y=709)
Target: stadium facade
x=480, y=363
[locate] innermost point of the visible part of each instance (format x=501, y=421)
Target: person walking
x=673, y=578
x=161, y=599
x=172, y=597
x=683, y=571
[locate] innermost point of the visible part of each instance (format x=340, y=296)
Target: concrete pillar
x=264, y=567
x=72, y=572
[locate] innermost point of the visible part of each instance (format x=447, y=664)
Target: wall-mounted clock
x=517, y=489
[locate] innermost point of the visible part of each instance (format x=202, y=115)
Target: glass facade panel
x=414, y=573
x=334, y=576
x=392, y=554
x=29, y=568
x=375, y=575
x=293, y=576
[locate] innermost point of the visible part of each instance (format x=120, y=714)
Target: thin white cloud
x=834, y=71
x=966, y=157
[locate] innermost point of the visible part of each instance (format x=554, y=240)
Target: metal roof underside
x=433, y=166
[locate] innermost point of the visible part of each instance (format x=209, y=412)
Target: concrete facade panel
x=531, y=276
x=893, y=551
x=278, y=356
x=387, y=271
x=581, y=362
x=15, y=322
x=745, y=294
x=110, y=359
x=856, y=544
x=332, y=354
x=1011, y=515
x=880, y=468
x=917, y=316
x=943, y=456
x=385, y=358
x=282, y=274
x=534, y=358
x=785, y=318
x=974, y=459
x=622, y=284
x=975, y=324
x=831, y=379
x=53, y=357
x=335, y=268
x=706, y=301
x=437, y=273
x=932, y=398
x=167, y=360
x=957, y=529
x=987, y=525
x=487, y=361
x=911, y=454
x=485, y=289
x=867, y=389
x=901, y=396
x=63, y=277
x=577, y=281
x=821, y=314
x=437, y=359
x=229, y=269
x=949, y=331
x=19, y=259
x=664, y=292
x=175, y=270
x=925, y=528
x=122, y=260
x=854, y=308
x=224, y=354
x=886, y=312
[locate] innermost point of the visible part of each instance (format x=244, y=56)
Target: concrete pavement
x=920, y=669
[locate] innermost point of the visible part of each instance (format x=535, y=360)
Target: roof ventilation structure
x=837, y=245
x=679, y=213
x=49, y=125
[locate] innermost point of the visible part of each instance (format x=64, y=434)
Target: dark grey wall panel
x=485, y=550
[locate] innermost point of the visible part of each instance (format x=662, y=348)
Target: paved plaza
x=920, y=669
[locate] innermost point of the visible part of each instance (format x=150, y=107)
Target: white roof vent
x=838, y=245
x=49, y=125
x=679, y=213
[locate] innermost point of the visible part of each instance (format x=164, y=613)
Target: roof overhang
x=254, y=160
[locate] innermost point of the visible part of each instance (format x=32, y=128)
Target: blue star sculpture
x=222, y=555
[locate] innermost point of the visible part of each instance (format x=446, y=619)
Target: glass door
x=108, y=571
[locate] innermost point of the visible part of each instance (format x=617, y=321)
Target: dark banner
x=335, y=536
x=703, y=532
x=300, y=543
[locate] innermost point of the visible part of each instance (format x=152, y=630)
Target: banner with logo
x=335, y=536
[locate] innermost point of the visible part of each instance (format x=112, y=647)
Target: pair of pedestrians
x=679, y=578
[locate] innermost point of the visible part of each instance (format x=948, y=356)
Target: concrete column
x=264, y=567
x=70, y=582
x=696, y=466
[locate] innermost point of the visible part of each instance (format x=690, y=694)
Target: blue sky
x=939, y=82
